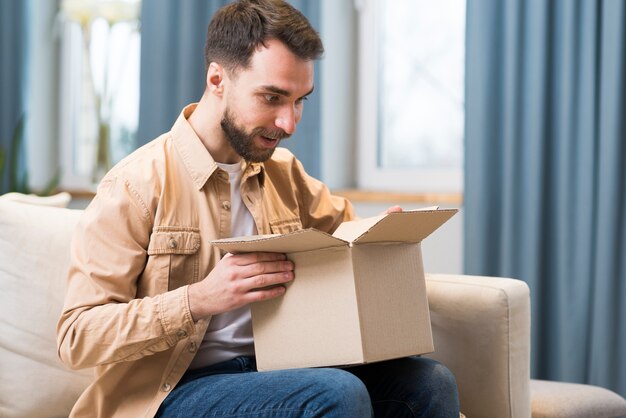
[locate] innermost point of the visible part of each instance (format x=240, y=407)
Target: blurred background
x=512, y=111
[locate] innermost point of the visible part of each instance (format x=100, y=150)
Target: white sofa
x=481, y=325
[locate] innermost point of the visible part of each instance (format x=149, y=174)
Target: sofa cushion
x=573, y=400
x=34, y=256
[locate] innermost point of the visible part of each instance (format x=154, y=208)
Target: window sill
x=80, y=193
x=369, y=196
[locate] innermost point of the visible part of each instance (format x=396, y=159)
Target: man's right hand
x=240, y=279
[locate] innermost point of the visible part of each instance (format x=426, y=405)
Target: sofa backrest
x=34, y=257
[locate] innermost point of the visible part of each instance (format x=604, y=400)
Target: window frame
x=370, y=176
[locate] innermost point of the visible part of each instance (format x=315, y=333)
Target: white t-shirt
x=229, y=334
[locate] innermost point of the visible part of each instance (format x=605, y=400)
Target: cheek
x=256, y=118
x=243, y=113
x=252, y=113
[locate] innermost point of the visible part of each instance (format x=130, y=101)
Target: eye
x=271, y=98
x=301, y=100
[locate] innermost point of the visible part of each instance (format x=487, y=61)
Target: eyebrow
x=283, y=92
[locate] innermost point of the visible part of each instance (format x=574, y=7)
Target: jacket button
x=172, y=243
x=166, y=387
x=181, y=333
x=226, y=205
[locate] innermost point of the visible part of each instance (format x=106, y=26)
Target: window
x=99, y=87
x=411, y=101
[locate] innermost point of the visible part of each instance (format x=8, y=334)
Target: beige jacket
x=143, y=240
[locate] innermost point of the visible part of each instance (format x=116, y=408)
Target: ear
x=215, y=79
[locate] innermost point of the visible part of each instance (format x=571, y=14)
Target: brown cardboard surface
x=317, y=324
x=386, y=275
x=408, y=226
x=352, y=230
x=303, y=240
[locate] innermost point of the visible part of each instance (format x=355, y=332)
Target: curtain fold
x=172, y=70
x=172, y=64
x=545, y=183
x=13, y=45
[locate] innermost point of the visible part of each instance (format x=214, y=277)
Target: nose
x=288, y=119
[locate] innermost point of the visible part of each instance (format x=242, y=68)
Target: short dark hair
x=238, y=28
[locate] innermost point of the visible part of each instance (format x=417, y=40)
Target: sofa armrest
x=481, y=331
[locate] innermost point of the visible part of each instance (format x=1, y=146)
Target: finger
x=266, y=267
x=252, y=258
x=393, y=209
x=263, y=281
x=264, y=294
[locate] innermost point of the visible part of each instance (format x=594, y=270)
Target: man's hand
x=238, y=280
x=393, y=209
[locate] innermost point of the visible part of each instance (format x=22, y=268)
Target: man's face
x=244, y=142
x=264, y=102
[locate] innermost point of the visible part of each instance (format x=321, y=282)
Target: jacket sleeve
x=103, y=321
x=319, y=208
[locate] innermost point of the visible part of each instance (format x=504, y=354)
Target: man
x=161, y=315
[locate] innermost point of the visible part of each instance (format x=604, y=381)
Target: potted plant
x=18, y=181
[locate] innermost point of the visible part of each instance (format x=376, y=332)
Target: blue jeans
x=411, y=387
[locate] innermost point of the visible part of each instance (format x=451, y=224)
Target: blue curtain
x=13, y=44
x=173, y=33
x=545, y=188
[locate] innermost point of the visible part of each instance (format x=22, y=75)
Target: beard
x=243, y=142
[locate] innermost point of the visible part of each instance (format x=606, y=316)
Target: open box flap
x=351, y=230
x=302, y=240
x=407, y=226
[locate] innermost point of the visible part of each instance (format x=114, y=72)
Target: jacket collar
x=197, y=160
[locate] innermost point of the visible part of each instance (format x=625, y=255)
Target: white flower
x=113, y=11
x=81, y=11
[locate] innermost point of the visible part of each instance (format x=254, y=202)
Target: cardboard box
x=359, y=295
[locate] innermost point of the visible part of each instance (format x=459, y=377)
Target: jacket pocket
x=285, y=226
x=175, y=251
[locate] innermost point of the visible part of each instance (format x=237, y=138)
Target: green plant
x=18, y=182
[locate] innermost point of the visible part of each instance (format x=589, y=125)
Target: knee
x=349, y=385
x=343, y=395
x=443, y=375
x=443, y=384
